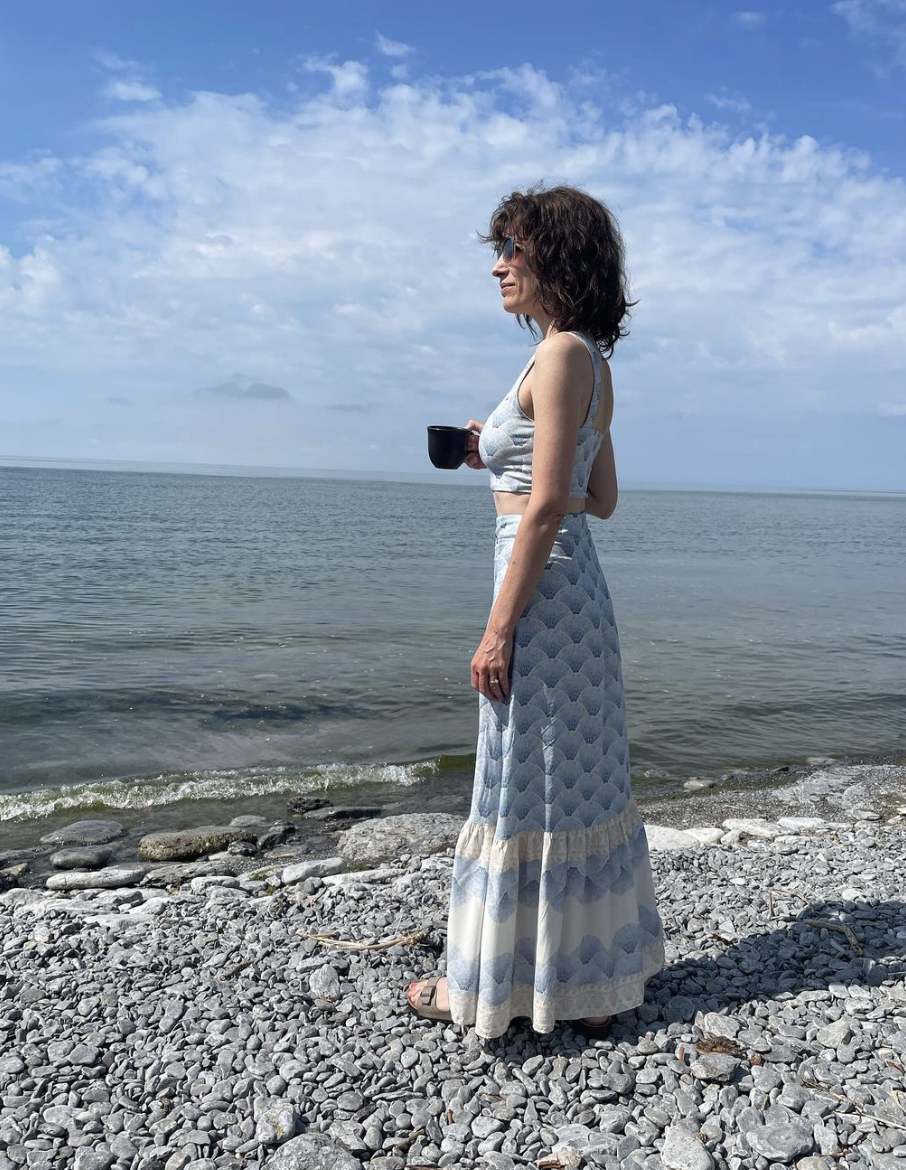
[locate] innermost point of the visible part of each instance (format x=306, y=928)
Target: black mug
x=448, y=446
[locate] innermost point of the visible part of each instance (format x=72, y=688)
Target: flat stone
x=801, y=824
x=661, y=837
x=781, y=1143
x=347, y=813
x=752, y=827
x=178, y=872
x=714, y=1066
x=835, y=1034
x=187, y=844
x=96, y=1159
x=82, y=857
x=302, y=870
x=276, y=1122
x=707, y=834
x=311, y=1151
x=102, y=879
x=85, y=833
x=384, y=839
x=381, y=874
x=684, y=1151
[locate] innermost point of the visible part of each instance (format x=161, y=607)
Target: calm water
x=173, y=639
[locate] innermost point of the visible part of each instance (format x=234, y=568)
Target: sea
x=179, y=648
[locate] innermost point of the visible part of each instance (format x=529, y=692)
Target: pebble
x=205, y=1029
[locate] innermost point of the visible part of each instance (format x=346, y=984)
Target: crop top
x=507, y=439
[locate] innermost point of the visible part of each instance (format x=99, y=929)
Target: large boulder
x=187, y=844
x=372, y=842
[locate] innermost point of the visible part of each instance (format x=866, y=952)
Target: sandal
x=427, y=998
x=592, y=1031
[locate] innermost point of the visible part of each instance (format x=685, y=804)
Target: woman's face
x=518, y=286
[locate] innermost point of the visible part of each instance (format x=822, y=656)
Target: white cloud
x=131, y=91
x=114, y=62
x=391, y=48
x=330, y=249
x=723, y=102
x=877, y=21
x=751, y=19
x=350, y=79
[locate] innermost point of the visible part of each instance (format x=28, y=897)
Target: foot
x=441, y=998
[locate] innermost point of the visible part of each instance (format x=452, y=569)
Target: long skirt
x=552, y=908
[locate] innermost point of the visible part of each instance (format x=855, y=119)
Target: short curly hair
x=574, y=248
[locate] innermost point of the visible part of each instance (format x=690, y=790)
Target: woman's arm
x=556, y=377
x=602, y=482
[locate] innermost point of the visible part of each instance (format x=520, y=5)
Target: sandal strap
x=428, y=992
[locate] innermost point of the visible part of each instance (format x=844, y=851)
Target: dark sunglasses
x=508, y=248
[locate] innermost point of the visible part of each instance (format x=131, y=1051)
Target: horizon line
x=165, y=467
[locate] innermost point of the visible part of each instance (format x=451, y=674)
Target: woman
x=552, y=912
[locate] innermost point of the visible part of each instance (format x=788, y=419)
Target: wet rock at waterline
x=85, y=833
x=187, y=844
x=370, y=843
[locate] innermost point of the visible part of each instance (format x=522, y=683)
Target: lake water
x=174, y=643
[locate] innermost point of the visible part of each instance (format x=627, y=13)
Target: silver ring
x=495, y=680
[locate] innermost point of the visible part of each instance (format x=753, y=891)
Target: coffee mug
x=448, y=446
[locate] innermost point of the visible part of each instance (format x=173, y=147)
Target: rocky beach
x=233, y=996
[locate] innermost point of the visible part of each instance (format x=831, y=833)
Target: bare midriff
x=515, y=503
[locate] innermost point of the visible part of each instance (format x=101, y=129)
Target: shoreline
x=823, y=787
x=257, y=1020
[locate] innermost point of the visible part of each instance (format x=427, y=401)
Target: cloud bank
x=325, y=241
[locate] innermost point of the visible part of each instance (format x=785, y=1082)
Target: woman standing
x=552, y=911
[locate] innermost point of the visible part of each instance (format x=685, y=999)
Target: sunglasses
x=508, y=248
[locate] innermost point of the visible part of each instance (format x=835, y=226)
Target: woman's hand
x=473, y=459
x=491, y=665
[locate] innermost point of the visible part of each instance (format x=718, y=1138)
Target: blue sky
x=246, y=235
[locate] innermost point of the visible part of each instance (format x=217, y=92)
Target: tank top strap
x=596, y=365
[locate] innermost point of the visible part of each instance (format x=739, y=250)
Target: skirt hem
x=620, y=995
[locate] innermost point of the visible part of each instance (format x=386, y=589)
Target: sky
x=247, y=235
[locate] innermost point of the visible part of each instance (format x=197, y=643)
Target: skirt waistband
x=570, y=520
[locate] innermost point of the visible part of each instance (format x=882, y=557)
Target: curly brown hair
x=574, y=248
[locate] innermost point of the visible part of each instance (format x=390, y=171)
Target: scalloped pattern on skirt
x=552, y=908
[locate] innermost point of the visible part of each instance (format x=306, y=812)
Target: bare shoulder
x=560, y=347
x=563, y=358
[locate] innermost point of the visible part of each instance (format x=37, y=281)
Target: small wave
x=149, y=792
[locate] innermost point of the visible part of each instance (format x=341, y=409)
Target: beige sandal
x=427, y=999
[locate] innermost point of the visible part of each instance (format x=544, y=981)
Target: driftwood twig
x=841, y=926
x=382, y=944
x=862, y=1112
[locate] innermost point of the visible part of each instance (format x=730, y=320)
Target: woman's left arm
x=556, y=376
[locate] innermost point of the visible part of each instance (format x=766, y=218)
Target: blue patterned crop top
x=507, y=438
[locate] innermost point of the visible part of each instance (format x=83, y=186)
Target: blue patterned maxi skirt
x=552, y=908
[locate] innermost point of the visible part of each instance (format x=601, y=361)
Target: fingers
x=494, y=685
x=473, y=459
